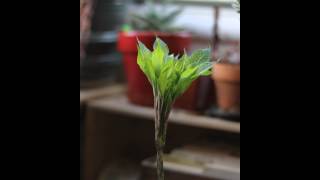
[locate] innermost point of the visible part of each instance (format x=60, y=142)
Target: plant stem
x=160, y=170
x=162, y=111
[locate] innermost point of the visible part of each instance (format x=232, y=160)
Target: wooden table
x=86, y=96
x=119, y=104
x=117, y=129
x=91, y=94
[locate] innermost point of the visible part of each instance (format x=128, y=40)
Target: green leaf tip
x=169, y=74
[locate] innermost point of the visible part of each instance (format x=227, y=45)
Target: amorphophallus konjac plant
x=170, y=76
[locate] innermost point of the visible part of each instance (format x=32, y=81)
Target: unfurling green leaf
x=169, y=75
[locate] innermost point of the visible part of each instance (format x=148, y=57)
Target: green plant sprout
x=170, y=76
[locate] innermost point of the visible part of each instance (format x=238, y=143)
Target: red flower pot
x=139, y=89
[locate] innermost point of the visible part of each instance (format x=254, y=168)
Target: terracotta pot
x=139, y=89
x=227, y=83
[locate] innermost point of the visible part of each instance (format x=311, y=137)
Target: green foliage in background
x=237, y=6
x=156, y=19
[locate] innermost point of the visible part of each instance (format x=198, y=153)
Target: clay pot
x=227, y=83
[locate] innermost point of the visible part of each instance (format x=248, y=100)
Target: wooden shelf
x=120, y=104
x=90, y=94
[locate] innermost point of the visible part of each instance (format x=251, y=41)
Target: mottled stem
x=160, y=170
x=162, y=111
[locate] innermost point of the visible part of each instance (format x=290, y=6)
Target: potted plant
x=227, y=79
x=170, y=76
x=146, y=27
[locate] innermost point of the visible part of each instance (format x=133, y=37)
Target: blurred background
x=116, y=101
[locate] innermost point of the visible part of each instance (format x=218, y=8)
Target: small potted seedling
x=227, y=78
x=146, y=27
x=170, y=76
